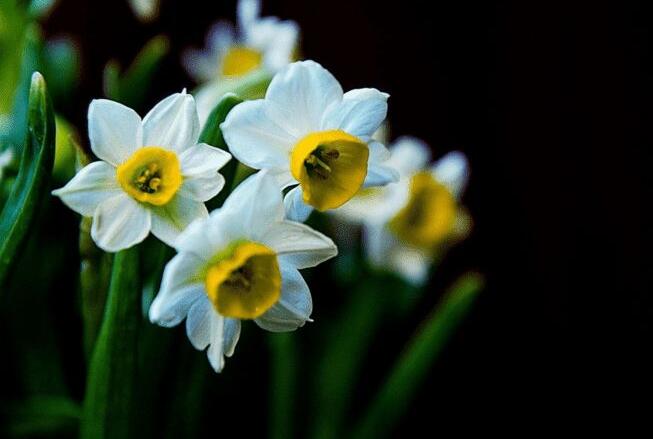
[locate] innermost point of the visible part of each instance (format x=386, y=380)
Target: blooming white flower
x=6, y=157
x=152, y=174
x=257, y=42
x=407, y=223
x=241, y=263
x=311, y=134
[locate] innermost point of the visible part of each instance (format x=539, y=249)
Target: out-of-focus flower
x=6, y=157
x=145, y=10
x=257, y=42
x=311, y=134
x=408, y=223
x=152, y=174
x=241, y=263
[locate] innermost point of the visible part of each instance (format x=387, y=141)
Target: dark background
x=552, y=103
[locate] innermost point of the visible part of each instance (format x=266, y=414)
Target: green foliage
x=111, y=387
x=33, y=177
x=212, y=134
x=413, y=365
x=41, y=415
x=131, y=86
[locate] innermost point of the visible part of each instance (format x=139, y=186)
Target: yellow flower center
x=240, y=60
x=429, y=215
x=330, y=166
x=245, y=280
x=151, y=175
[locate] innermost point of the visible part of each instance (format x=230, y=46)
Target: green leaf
x=41, y=415
x=212, y=134
x=413, y=365
x=283, y=384
x=131, y=87
x=41, y=8
x=33, y=177
x=111, y=388
x=14, y=127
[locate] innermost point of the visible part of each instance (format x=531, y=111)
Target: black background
x=552, y=103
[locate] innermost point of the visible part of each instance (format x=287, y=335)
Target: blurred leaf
x=14, y=126
x=41, y=415
x=212, y=134
x=33, y=177
x=41, y=8
x=340, y=363
x=413, y=365
x=61, y=67
x=110, y=407
x=131, y=87
x=283, y=384
x=13, y=22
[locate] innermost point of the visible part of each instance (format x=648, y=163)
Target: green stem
x=94, y=278
x=109, y=404
x=341, y=362
x=414, y=364
x=283, y=384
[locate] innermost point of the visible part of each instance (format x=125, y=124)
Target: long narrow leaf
x=212, y=134
x=33, y=177
x=109, y=404
x=283, y=384
x=412, y=367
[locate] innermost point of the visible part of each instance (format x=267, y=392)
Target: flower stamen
x=330, y=166
x=151, y=175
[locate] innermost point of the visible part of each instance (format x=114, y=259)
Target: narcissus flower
x=6, y=157
x=153, y=175
x=241, y=263
x=257, y=43
x=311, y=134
x=408, y=223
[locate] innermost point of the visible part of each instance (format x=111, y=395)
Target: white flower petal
x=256, y=203
x=202, y=188
x=379, y=169
x=202, y=158
x=409, y=155
x=360, y=113
x=198, y=323
x=115, y=131
x=92, y=185
x=119, y=223
x=254, y=139
x=220, y=37
x=207, y=97
x=299, y=96
x=170, y=220
x=410, y=263
x=199, y=168
x=172, y=123
x=202, y=65
x=380, y=175
x=215, y=353
x=452, y=170
x=294, y=307
x=231, y=335
x=296, y=209
x=277, y=39
x=377, y=242
x=299, y=245
x=247, y=12
x=182, y=284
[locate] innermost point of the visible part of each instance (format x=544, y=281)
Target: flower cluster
x=313, y=147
